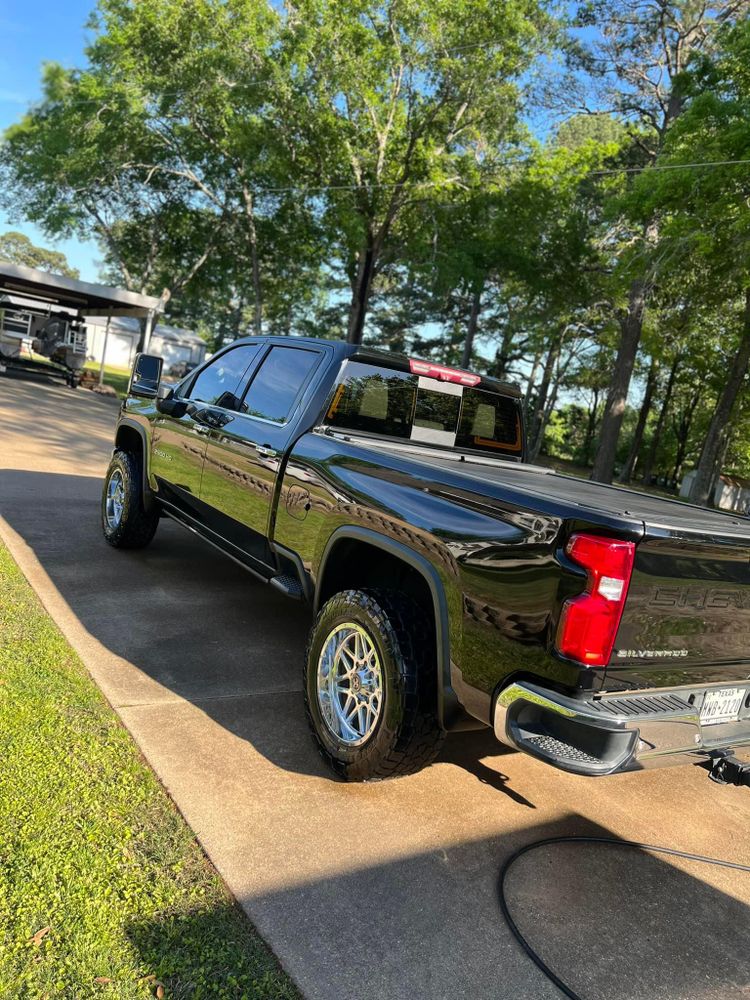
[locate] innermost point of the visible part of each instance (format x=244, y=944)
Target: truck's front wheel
x=370, y=685
x=126, y=522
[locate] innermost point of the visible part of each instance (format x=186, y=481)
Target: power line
x=301, y=188
x=446, y=182
x=670, y=166
x=509, y=162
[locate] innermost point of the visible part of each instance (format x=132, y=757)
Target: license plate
x=3, y=369
x=722, y=706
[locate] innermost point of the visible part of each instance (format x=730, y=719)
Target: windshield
x=413, y=407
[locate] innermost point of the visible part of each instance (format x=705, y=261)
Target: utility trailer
x=52, y=344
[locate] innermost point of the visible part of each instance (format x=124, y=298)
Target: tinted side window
x=375, y=400
x=277, y=382
x=489, y=422
x=219, y=382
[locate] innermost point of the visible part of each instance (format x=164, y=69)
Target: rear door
x=244, y=455
x=179, y=442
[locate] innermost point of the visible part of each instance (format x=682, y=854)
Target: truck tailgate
x=687, y=615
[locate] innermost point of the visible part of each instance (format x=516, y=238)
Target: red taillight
x=443, y=373
x=589, y=622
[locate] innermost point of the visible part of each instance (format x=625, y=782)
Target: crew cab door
x=244, y=455
x=179, y=440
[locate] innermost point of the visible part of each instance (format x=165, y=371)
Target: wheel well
x=355, y=565
x=128, y=439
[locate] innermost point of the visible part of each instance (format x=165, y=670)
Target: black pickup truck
x=454, y=586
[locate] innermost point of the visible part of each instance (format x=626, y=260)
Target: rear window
x=416, y=408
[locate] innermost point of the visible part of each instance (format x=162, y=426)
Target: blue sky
x=34, y=32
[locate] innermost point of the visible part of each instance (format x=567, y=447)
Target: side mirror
x=144, y=381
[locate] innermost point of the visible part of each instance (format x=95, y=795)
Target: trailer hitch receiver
x=729, y=770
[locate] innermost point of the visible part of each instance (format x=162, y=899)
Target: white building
x=730, y=493
x=173, y=344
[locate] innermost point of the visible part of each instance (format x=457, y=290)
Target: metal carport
x=43, y=297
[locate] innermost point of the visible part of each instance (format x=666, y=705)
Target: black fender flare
x=148, y=496
x=448, y=705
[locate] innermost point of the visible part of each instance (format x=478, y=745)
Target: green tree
x=705, y=218
x=18, y=249
x=385, y=100
x=148, y=148
x=641, y=50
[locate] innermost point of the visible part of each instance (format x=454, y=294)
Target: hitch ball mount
x=728, y=770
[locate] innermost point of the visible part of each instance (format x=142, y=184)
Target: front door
x=243, y=456
x=179, y=442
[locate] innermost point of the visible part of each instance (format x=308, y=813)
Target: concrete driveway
x=363, y=891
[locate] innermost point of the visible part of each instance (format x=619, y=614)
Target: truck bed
x=538, y=481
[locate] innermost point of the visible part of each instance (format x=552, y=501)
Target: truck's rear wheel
x=126, y=522
x=370, y=685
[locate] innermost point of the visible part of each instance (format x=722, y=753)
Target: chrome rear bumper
x=611, y=733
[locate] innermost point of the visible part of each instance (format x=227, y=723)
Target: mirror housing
x=144, y=382
x=167, y=402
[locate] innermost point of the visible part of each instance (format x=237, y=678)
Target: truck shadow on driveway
x=192, y=621
x=612, y=922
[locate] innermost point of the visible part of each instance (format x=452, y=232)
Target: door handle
x=265, y=451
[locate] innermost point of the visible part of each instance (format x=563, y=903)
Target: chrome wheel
x=115, y=499
x=350, y=684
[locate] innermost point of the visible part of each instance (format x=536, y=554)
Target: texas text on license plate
x=722, y=706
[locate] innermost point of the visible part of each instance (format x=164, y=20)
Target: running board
x=288, y=585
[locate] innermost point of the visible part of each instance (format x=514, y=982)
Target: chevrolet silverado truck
x=452, y=584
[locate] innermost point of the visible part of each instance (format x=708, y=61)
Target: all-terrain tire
x=407, y=735
x=136, y=524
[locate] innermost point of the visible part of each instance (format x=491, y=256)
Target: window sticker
x=436, y=412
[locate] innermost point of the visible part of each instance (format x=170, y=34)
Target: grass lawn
x=116, y=377
x=104, y=891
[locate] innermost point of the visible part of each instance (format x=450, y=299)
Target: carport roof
x=87, y=299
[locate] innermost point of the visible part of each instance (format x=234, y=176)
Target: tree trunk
x=590, y=428
x=700, y=490
x=504, y=356
x=627, y=473
x=471, y=329
x=651, y=457
x=257, y=295
x=537, y=422
x=254, y=262
x=361, y=291
x=682, y=432
x=631, y=326
x=532, y=379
